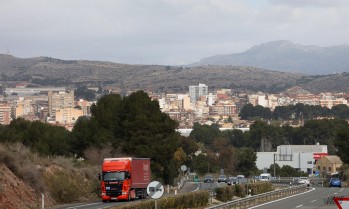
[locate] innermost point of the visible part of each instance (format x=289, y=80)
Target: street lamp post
x=274, y=164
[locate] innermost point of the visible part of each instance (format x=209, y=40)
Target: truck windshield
x=114, y=176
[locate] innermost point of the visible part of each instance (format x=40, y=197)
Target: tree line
x=294, y=112
x=265, y=136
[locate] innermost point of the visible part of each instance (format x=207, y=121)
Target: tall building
x=5, y=114
x=186, y=103
x=23, y=107
x=60, y=100
x=195, y=92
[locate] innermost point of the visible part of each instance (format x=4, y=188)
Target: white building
x=300, y=157
x=262, y=101
x=211, y=98
x=162, y=103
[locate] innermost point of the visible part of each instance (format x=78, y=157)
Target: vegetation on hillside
x=293, y=112
x=48, y=71
x=60, y=179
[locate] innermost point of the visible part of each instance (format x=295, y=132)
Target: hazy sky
x=166, y=32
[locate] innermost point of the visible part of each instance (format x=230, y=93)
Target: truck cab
x=124, y=178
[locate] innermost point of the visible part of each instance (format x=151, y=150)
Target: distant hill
x=44, y=71
x=286, y=56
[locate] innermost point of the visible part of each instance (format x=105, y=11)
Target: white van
x=265, y=177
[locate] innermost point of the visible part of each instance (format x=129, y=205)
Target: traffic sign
x=342, y=202
x=183, y=168
x=155, y=190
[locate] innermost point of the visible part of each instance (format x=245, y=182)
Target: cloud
x=164, y=31
x=311, y=3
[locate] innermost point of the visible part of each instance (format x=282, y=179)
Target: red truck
x=124, y=178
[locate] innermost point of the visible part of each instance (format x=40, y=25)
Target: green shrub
x=18, y=161
x=225, y=194
x=240, y=190
x=182, y=201
x=66, y=187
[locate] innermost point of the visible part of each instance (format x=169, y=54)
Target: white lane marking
x=335, y=193
x=197, y=188
x=83, y=205
x=281, y=199
x=341, y=190
x=299, y=206
x=313, y=201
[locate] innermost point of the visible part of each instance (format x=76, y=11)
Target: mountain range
x=47, y=71
x=286, y=56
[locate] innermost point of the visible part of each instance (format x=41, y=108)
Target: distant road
x=309, y=200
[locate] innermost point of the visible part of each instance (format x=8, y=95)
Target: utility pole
x=274, y=164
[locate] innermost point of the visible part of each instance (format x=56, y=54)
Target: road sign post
x=342, y=202
x=155, y=190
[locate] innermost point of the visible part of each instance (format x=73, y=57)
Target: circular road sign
x=155, y=190
x=183, y=168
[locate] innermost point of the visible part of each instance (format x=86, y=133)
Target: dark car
x=222, y=178
x=335, y=182
x=232, y=181
x=208, y=179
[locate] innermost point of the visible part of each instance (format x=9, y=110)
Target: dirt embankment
x=16, y=194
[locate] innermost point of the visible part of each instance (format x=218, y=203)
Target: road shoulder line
x=281, y=199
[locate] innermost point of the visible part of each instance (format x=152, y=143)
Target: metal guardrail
x=260, y=198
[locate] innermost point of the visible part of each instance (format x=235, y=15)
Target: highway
x=92, y=205
x=313, y=198
x=188, y=187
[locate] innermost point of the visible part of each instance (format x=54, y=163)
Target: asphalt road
x=313, y=198
x=188, y=187
x=91, y=205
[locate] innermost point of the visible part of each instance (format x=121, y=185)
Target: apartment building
x=329, y=102
x=23, y=107
x=5, y=113
x=60, y=100
x=67, y=115
x=195, y=92
x=223, y=108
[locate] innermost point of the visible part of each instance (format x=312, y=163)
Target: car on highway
x=335, y=182
x=241, y=179
x=304, y=180
x=265, y=177
x=232, y=181
x=222, y=178
x=208, y=179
